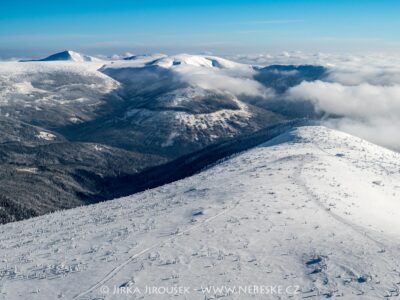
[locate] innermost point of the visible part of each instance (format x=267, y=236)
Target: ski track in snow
x=313, y=207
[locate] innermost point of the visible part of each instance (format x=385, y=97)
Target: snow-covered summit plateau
x=313, y=208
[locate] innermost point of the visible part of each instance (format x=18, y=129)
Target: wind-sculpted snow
x=314, y=211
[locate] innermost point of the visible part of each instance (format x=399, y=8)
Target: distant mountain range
x=74, y=125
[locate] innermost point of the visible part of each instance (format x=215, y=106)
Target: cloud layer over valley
x=358, y=94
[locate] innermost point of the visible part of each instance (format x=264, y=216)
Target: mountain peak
x=68, y=55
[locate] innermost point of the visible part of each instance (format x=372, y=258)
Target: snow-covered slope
x=313, y=208
x=53, y=93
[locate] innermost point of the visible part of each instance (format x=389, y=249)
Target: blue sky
x=35, y=28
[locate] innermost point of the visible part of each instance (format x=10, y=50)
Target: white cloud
x=362, y=101
x=382, y=131
x=235, y=81
x=364, y=91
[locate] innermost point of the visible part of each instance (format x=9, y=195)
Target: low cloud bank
x=381, y=131
x=362, y=102
x=359, y=95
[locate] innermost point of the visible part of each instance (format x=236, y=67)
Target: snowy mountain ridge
x=312, y=208
x=174, y=61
